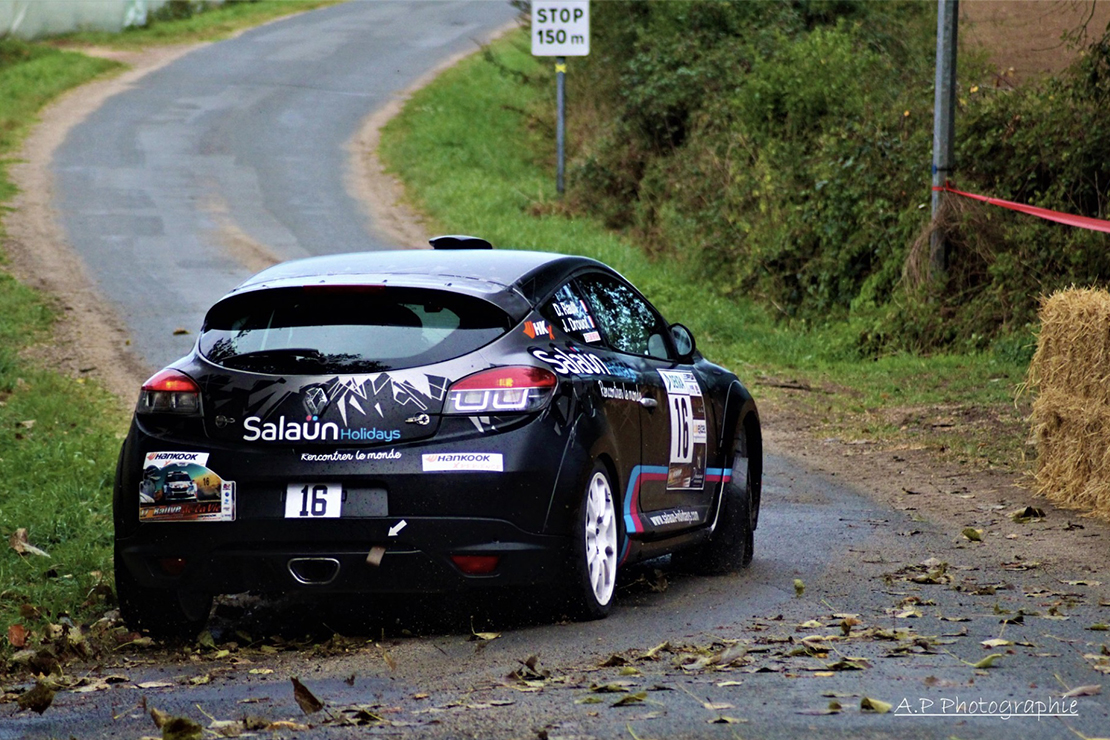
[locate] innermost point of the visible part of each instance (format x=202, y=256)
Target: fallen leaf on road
x=867, y=704
x=1028, y=514
x=1094, y=690
x=613, y=661
x=182, y=728
x=723, y=720
x=483, y=636
x=972, y=534
x=612, y=687
x=995, y=643
x=654, y=652
x=158, y=717
x=799, y=587
x=287, y=725
x=155, y=685
x=987, y=662
x=628, y=699
x=530, y=670
x=1100, y=627
x=306, y=700
x=38, y=699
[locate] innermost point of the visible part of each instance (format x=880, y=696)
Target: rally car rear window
x=346, y=329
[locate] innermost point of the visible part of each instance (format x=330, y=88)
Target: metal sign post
x=944, y=122
x=560, y=122
x=560, y=29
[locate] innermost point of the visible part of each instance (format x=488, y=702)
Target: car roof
x=512, y=279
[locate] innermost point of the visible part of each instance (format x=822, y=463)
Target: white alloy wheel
x=601, y=538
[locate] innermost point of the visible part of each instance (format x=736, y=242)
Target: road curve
x=236, y=155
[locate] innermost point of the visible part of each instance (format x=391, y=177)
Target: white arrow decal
x=396, y=528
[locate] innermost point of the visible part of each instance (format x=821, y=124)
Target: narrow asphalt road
x=745, y=655
x=248, y=136
x=243, y=141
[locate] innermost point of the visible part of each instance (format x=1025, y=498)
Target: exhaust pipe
x=313, y=571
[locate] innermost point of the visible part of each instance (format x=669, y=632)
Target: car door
x=670, y=492
x=572, y=331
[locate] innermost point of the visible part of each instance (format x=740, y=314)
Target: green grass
x=59, y=436
x=207, y=23
x=471, y=151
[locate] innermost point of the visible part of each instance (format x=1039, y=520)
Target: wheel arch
x=741, y=418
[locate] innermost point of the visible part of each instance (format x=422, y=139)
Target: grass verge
x=59, y=436
x=194, y=24
x=476, y=157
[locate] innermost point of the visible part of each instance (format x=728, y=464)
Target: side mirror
x=683, y=341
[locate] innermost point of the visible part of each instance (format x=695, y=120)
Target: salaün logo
x=285, y=430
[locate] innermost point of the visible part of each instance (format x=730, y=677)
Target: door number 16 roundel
x=313, y=501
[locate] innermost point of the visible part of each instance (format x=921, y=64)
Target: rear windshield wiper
x=269, y=356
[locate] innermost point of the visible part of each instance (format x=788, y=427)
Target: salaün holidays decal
x=689, y=438
x=179, y=487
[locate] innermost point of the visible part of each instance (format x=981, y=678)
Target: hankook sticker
x=463, y=461
x=179, y=487
x=689, y=436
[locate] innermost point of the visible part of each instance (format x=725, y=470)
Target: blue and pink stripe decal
x=633, y=519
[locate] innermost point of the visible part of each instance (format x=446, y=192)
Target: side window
x=629, y=322
x=568, y=312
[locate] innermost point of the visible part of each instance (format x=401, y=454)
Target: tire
x=591, y=572
x=161, y=612
x=732, y=545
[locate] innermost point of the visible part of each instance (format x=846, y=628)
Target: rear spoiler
x=459, y=241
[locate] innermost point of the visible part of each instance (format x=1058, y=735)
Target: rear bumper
x=416, y=560
x=519, y=513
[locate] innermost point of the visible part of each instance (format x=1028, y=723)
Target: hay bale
x=1070, y=373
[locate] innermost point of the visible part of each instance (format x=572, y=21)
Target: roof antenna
x=459, y=241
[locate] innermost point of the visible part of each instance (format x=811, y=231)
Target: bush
x=784, y=150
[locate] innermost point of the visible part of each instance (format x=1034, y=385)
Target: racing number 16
x=680, y=429
x=313, y=501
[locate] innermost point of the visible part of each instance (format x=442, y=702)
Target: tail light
x=476, y=565
x=169, y=392
x=502, y=390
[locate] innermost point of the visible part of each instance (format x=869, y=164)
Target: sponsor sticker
x=572, y=363
x=674, y=516
x=311, y=430
x=689, y=436
x=463, y=461
x=533, y=329
x=179, y=487
x=618, y=392
x=350, y=456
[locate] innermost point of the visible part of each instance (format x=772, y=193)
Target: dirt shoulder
x=91, y=341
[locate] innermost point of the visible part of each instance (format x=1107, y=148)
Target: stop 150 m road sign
x=560, y=28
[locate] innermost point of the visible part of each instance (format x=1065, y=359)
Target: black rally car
x=426, y=421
